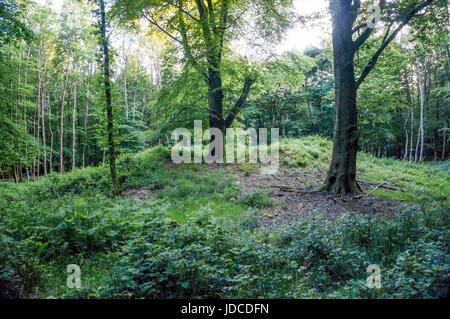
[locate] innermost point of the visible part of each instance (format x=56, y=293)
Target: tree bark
x=61, y=132
x=44, y=92
x=444, y=142
x=74, y=120
x=51, y=133
x=136, y=87
x=125, y=90
x=436, y=132
x=411, y=142
x=215, y=99
x=341, y=177
x=86, y=116
x=423, y=93
x=408, y=116
x=109, y=109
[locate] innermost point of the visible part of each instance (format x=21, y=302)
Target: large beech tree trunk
x=341, y=177
x=215, y=100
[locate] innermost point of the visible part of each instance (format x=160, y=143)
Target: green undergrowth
x=421, y=182
x=199, y=235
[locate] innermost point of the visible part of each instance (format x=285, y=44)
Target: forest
x=354, y=96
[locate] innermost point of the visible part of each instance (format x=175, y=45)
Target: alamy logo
x=238, y=143
x=74, y=279
x=374, y=278
x=374, y=16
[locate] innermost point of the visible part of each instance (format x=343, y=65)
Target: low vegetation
x=200, y=235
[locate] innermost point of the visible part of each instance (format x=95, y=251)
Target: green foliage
x=191, y=231
x=197, y=237
x=258, y=199
x=144, y=169
x=11, y=26
x=309, y=154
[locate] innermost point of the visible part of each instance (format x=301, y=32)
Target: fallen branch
x=290, y=189
x=330, y=197
x=381, y=185
x=285, y=188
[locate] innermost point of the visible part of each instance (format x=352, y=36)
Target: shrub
x=258, y=199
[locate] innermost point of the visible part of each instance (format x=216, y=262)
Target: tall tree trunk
x=109, y=109
x=411, y=140
x=86, y=116
x=39, y=98
x=447, y=66
x=215, y=100
x=25, y=106
x=341, y=177
x=125, y=95
x=144, y=107
x=405, y=155
x=74, y=119
x=408, y=116
x=51, y=133
x=423, y=93
x=61, y=133
x=44, y=92
x=34, y=155
x=436, y=132
x=444, y=142
x=136, y=87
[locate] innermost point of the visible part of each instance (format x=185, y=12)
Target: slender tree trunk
x=423, y=92
x=109, y=109
x=447, y=66
x=37, y=112
x=144, y=107
x=39, y=100
x=412, y=132
x=74, y=119
x=86, y=116
x=61, y=133
x=446, y=121
x=444, y=142
x=125, y=95
x=408, y=99
x=19, y=96
x=51, y=133
x=44, y=92
x=16, y=179
x=34, y=156
x=136, y=88
x=25, y=106
x=436, y=132
x=405, y=155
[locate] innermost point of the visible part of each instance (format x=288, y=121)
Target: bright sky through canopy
x=304, y=35
x=298, y=38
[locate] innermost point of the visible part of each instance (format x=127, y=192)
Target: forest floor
x=298, y=195
x=294, y=195
x=218, y=231
x=294, y=192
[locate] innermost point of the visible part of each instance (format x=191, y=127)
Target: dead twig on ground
x=381, y=185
